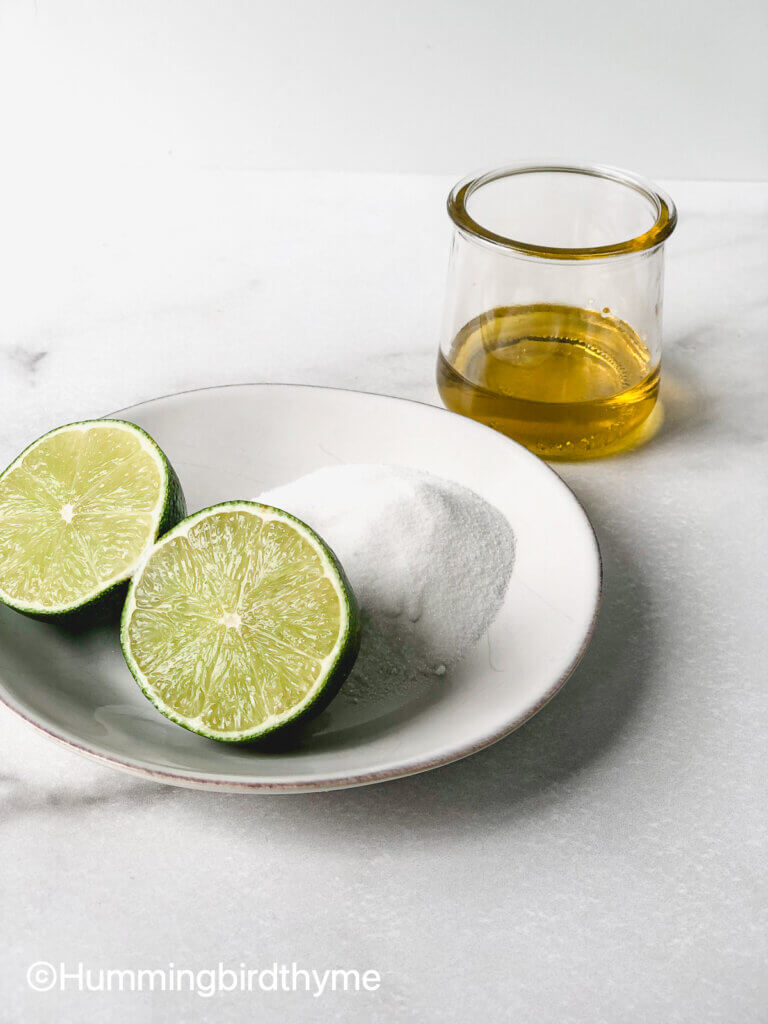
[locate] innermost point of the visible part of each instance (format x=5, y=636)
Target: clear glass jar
x=552, y=328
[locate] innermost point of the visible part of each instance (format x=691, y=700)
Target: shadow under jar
x=552, y=329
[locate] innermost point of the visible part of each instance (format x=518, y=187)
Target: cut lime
x=239, y=622
x=79, y=508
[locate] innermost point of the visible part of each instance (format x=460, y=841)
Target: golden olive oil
x=568, y=383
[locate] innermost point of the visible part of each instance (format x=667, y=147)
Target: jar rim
x=664, y=225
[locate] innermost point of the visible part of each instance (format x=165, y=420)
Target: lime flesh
x=79, y=509
x=239, y=622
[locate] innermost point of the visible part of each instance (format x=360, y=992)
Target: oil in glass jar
x=568, y=383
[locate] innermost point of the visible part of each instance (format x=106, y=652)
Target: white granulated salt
x=428, y=559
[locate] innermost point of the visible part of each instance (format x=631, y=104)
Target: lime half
x=79, y=509
x=240, y=621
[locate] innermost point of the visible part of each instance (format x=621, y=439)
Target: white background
x=667, y=88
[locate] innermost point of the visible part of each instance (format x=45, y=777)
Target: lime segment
x=239, y=621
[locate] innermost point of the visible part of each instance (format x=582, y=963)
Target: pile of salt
x=428, y=559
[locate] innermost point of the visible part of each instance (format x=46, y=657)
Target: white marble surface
x=604, y=865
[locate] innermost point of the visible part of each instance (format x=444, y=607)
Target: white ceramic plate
x=236, y=442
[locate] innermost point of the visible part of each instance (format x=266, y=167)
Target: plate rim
x=343, y=780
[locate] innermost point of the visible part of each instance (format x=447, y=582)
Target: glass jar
x=552, y=327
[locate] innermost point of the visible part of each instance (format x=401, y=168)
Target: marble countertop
x=607, y=863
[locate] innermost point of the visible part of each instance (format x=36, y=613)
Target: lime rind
x=334, y=667
x=105, y=598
